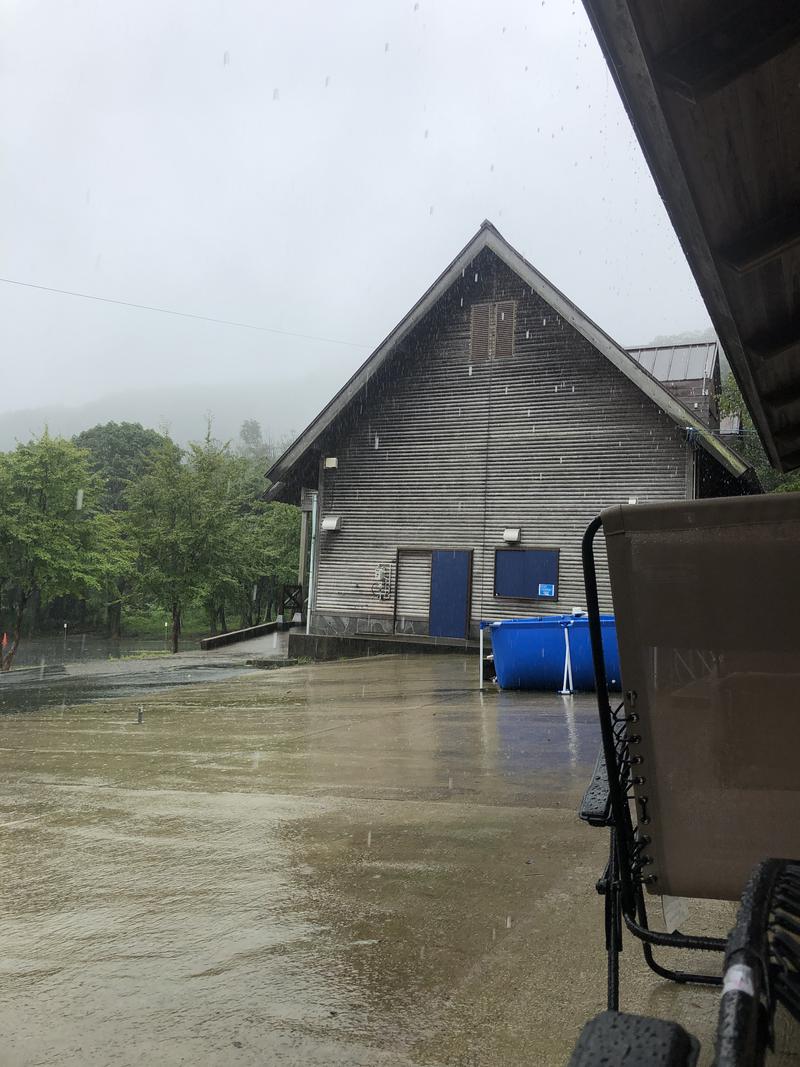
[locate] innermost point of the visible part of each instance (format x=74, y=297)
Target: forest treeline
x=120, y=518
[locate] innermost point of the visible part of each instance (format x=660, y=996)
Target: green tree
x=259, y=451
x=220, y=480
x=118, y=454
x=251, y=441
x=54, y=539
x=252, y=546
x=276, y=528
x=165, y=529
x=749, y=444
x=280, y=537
x=204, y=534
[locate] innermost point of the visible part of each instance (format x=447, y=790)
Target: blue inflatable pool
x=529, y=653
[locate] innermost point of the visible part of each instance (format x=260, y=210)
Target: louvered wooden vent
x=479, y=338
x=504, y=328
x=492, y=330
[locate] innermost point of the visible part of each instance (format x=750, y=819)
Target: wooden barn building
x=451, y=479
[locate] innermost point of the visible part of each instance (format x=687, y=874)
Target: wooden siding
x=446, y=451
x=699, y=398
x=413, y=592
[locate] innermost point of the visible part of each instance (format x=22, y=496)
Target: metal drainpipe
x=312, y=565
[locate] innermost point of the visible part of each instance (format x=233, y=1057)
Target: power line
x=180, y=314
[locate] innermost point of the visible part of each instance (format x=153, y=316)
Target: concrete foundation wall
x=331, y=646
x=365, y=625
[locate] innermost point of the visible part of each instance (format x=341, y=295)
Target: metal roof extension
x=678, y=363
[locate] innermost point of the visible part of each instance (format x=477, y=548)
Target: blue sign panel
x=526, y=573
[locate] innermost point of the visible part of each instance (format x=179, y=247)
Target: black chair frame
x=762, y=970
x=609, y=802
x=764, y=948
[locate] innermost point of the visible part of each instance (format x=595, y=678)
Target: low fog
x=305, y=170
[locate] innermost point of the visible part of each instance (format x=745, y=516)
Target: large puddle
x=26, y=691
x=81, y=648
x=55, y=674
x=300, y=867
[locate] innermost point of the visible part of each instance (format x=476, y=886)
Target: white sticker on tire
x=738, y=978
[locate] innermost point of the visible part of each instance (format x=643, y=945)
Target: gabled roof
x=489, y=237
x=678, y=363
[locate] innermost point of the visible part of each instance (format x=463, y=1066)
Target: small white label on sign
x=738, y=978
x=546, y=590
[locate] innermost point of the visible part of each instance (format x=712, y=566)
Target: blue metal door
x=451, y=574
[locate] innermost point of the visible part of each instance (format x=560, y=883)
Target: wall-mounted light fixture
x=332, y=522
x=511, y=534
x=331, y=463
x=633, y=500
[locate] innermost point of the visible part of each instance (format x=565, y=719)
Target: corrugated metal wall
x=444, y=452
x=413, y=593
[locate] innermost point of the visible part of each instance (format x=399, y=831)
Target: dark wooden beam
x=783, y=397
x=791, y=460
x=670, y=135
x=750, y=34
x=763, y=243
x=787, y=439
x=781, y=341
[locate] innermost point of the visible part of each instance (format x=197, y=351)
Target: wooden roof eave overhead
x=489, y=237
x=712, y=92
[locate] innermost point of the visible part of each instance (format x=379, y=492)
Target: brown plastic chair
x=702, y=756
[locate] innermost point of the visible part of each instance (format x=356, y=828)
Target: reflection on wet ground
x=31, y=692
x=104, y=670
x=80, y=648
x=362, y=862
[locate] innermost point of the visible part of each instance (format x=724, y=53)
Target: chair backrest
x=707, y=600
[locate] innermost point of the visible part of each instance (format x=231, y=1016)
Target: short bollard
x=140, y=716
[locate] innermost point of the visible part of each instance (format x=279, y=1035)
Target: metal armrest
x=615, y=1038
x=762, y=964
x=596, y=804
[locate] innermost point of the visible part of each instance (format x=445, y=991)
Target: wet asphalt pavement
x=34, y=690
x=360, y=862
x=50, y=673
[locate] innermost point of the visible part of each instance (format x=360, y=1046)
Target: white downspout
x=312, y=566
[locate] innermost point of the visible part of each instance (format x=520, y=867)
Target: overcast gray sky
x=305, y=166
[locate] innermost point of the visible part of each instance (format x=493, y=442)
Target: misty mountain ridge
x=282, y=409
x=183, y=411
x=687, y=337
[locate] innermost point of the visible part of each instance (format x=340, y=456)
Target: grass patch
x=149, y=654
x=150, y=623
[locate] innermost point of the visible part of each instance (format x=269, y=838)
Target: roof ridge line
x=488, y=236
